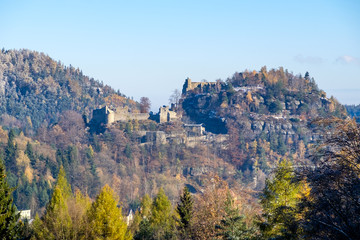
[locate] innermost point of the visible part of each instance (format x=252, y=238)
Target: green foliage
x=57, y=219
x=63, y=184
x=8, y=217
x=29, y=151
x=56, y=223
x=275, y=107
x=279, y=201
x=354, y=111
x=161, y=222
x=162, y=217
x=233, y=226
x=105, y=218
x=185, y=210
x=11, y=152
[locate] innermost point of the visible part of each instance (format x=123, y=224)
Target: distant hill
x=35, y=90
x=267, y=114
x=354, y=111
x=252, y=120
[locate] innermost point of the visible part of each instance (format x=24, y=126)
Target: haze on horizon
x=148, y=48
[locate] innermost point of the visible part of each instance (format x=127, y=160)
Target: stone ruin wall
x=201, y=86
x=130, y=116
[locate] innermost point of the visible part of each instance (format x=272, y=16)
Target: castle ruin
x=201, y=87
x=107, y=116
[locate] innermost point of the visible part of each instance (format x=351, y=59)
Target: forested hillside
x=267, y=115
x=253, y=121
x=354, y=111
x=35, y=90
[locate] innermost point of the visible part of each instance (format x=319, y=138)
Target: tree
x=105, y=218
x=162, y=218
x=157, y=220
x=11, y=152
x=140, y=226
x=175, y=97
x=8, y=217
x=63, y=184
x=185, y=210
x=333, y=207
x=145, y=104
x=29, y=151
x=233, y=226
x=209, y=209
x=279, y=201
x=57, y=219
x=56, y=223
x=275, y=107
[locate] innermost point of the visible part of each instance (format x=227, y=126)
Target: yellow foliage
x=224, y=105
x=3, y=135
x=29, y=173
x=22, y=159
x=49, y=178
x=29, y=122
x=249, y=97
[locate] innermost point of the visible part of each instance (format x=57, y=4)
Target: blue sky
x=148, y=48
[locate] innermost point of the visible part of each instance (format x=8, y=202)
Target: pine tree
x=105, y=218
x=280, y=200
x=29, y=151
x=185, y=209
x=11, y=152
x=232, y=226
x=8, y=217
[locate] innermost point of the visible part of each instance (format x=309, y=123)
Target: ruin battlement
x=201, y=87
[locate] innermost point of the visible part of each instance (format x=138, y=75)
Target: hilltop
x=35, y=90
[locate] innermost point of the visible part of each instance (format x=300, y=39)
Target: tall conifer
x=185, y=209
x=8, y=216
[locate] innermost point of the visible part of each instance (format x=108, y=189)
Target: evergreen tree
x=233, y=226
x=11, y=152
x=105, y=219
x=29, y=151
x=279, y=201
x=185, y=209
x=8, y=216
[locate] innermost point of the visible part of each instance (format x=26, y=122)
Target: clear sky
x=147, y=48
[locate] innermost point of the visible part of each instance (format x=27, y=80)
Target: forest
x=261, y=170
x=311, y=202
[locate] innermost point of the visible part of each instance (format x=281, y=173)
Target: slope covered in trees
x=35, y=89
x=266, y=116
x=354, y=111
